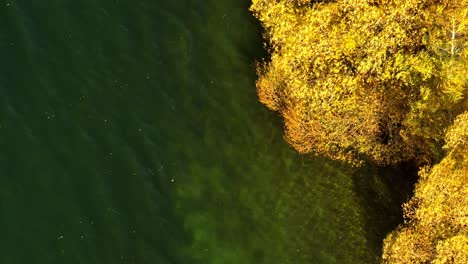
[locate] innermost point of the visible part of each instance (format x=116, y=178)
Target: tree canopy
x=383, y=79
x=436, y=228
x=375, y=78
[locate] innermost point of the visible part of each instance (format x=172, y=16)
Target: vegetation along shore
x=382, y=81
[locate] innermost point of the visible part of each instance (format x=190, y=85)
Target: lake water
x=130, y=132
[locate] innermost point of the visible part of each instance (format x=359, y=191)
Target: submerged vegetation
x=383, y=80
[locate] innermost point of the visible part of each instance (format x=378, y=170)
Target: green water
x=130, y=132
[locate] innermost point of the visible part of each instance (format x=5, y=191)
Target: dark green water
x=130, y=132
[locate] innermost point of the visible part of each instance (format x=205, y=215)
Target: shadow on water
x=382, y=191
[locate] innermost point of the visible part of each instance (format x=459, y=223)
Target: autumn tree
x=383, y=79
x=375, y=78
x=436, y=226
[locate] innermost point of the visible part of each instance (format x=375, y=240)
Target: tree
x=436, y=226
x=376, y=78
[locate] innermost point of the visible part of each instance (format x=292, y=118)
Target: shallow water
x=130, y=132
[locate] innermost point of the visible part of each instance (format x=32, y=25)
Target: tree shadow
x=382, y=191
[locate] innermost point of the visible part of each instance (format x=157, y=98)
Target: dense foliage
x=436, y=229
x=385, y=79
x=376, y=78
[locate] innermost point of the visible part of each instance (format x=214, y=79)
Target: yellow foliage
x=452, y=250
x=436, y=229
x=383, y=79
x=376, y=78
